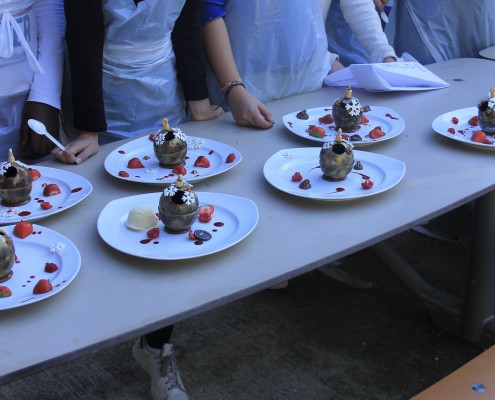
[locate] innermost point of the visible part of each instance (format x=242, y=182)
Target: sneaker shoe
x=166, y=382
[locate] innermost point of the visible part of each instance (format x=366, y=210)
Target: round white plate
x=385, y=172
x=32, y=253
x=73, y=187
x=153, y=173
x=234, y=218
x=462, y=131
x=392, y=124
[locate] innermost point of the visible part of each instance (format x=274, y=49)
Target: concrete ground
x=318, y=339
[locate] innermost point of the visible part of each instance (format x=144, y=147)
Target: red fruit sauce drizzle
x=290, y=124
x=75, y=190
x=219, y=224
x=198, y=242
x=390, y=116
x=313, y=168
x=338, y=190
x=24, y=213
x=121, y=151
x=362, y=175
x=210, y=152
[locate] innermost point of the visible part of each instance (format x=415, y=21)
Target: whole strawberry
x=45, y=205
x=5, y=291
x=135, y=163
x=153, y=233
x=43, y=286
x=23, y=229
x=50, y=267
x=202, y=161
x=51, y=189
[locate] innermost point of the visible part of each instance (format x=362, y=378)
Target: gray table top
x=116, y=296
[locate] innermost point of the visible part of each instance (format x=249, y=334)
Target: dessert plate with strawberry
x=296, y=171
x=224, y=220
x=377, y=125
x=462, y=126
x=46, y=263
x=136, y=161
x=53, y=191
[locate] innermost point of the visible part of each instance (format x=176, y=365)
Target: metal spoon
x=40, y=129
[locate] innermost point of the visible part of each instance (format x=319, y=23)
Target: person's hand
x=203, y=110
x=389, y=59
x=247, y=110
x=34, y=146
x=380, y=4
x=79, y=150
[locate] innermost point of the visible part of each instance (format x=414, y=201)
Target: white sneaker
x=166, y=382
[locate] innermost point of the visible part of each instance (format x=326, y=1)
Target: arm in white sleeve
x=47, y=87
x=365, y=23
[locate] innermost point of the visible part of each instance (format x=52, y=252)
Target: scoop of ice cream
x=142, y=219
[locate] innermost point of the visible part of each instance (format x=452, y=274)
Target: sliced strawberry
x=35, y=174
x=364, y=120
x=367, y=184
x=202, y=161
x=123, y=174
x=376, y=133
x=480, y=137
x=23, y=229
x=451, y=130
x=205, y=213
x=152, y=137
x=316, y=131
x=297, y=177
x=179, y=169
x=473, y=121
x=45, y=205
x=51, y=267
x=135, y=163
x=51, y=189
x=230, y=158
x=191, y=235
x=455, y=120
x=326, y=119
x=43, y=286
x=153, y=233
x=5, y=291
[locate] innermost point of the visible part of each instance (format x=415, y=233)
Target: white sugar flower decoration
x=288, y=155
x=170, y=190
x=160, y=138
x=354, y=107
x=195, y=143
x=12, y=212
x=179, y=134
x=188, y=198
x=57, y=248
x=151, y=170
x=326, y=145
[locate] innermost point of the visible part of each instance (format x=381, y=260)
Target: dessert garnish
x=45, y=205
x=326, y=119
x=142, y=218
x=358, y=165
x=376, y=133
x=316, y=131
x=5, y=291
x=153, y=233
x=50, y=189
x=42, y=286
x=302, y=115
x=305, y=184
x=367, y=184
x=230, y=158
x=205, y=213
x=179, y=169
x=201, y=234
x=202, y=162
x=355, y=138
x=135, y=163
x=473, y=121
x=51, y=267
x=57, y=247
x=35, y=174
x=297, y=177
x=23, y=229
x=480, y=137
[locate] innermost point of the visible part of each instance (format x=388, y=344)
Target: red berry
x=179, y=169
x=364, y=120
x=192, y=236
x=480, y=137
x=205, y=213
x=297, y=177
x=326, y=119
x=135, y=163
x=123, y=174
x=35, y=174
x=5, y=291
x=50, y=267
x=230, y=158
x=202, y=161
x=367, y=184
x=316, y=131
x=153, y=233
x=45, y=205
x=152, y=137
x=451, y=130
x=473, y=121
x=23, y=229
x=51, y=189
x=43, y=286
x=376, y=133
x=455, y=120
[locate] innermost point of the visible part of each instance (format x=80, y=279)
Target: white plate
x=238, y=215
x=462, y=130
x=153, y=173
x=73, y=187
x=383, y=171
x=392, y=124
x=32, y=253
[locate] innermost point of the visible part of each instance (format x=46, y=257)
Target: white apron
x=18, y=63
x=139, y=77
x=276, y=58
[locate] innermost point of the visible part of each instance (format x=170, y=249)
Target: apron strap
x=7, y=28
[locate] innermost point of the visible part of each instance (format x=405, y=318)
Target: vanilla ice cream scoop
x=142, y=218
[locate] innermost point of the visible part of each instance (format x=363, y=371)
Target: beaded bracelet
x=226, y=86
x=231, y=86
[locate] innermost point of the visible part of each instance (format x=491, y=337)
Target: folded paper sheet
x=385, y=77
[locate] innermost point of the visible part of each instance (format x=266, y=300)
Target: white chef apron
x=139, y=77
x=280, y=47
x=18, y=63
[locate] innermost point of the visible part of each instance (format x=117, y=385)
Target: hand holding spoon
x=40, y=128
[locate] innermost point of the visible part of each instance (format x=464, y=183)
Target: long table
x=116, y=297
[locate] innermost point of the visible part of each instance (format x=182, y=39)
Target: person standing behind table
x=281, y=49
x=440, y=30
x=31, y=63
x=124, y=70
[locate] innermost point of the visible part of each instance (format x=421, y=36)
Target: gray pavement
x=318, y=339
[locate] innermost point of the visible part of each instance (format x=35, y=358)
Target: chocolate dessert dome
x=15, y=183
x=170, y=145
x=347, y=112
